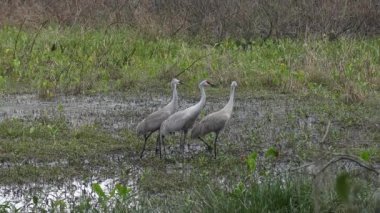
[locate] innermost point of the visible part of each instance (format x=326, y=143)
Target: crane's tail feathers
x=140, y=128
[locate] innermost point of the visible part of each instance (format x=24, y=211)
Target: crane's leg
x=161, y=141
x=181, y=142
x=163, y=145
x=209, y=148
x=157, y=143
x=216, y=139
x=145, y=140
x=184, y=139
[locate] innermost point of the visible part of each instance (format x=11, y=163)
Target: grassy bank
x=75, y=60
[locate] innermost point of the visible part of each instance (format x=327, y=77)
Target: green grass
x=80, y=60
x=269, y=196
x=31, y=146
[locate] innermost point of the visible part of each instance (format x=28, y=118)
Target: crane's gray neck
x=196, y=109
x=229, y=106
x=175, y=96
x=203, y=96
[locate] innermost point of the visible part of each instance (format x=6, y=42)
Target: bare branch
x=35, y=38
x=326, y=132
x=177, y=30
x=350, y=158
x=270, y=24
x=128, y=58
x=17, y=37
x=192, y=64
x=110, y=25
x=301, y=167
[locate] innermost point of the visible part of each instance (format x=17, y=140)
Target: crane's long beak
x=212, y=85
x=182, y=83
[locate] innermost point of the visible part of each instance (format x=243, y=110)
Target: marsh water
x=257, y=123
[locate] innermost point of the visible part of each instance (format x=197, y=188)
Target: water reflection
x=21, y=196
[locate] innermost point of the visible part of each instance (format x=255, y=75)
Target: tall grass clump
x=269, y=196
x=79, y=60
x=292, y=194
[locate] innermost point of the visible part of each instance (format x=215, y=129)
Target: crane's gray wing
x=175, y=122
x=214, y=122
x=153, y=121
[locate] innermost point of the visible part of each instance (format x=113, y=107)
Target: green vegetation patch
x=79, y=60
x=53, y=150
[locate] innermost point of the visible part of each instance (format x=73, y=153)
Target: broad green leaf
x=239, y=189
x=98, y=190
x=122, y=190
x=272, y=152
x=365, y=155
x=251, y=162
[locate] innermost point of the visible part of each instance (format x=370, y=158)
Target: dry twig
x=350, y=158
x=192, y=64
x=326, y=132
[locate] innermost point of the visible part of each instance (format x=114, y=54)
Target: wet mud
x=257, y=123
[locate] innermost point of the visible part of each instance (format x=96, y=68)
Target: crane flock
x=168, y=120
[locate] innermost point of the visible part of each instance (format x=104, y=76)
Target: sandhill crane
x=182, y=121
x=153, y=122
x=216, y=121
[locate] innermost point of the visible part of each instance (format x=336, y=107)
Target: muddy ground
x=302, y=130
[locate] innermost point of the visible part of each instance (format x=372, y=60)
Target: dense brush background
x=212, y=19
